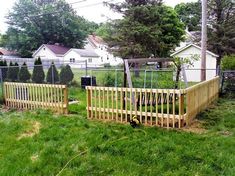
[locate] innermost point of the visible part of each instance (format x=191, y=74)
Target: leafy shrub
x=24, y=75
x=66, y=75
x=12, y=72
x=4, y=69
x=52, y=74
x=38, y=73
x=228, y=62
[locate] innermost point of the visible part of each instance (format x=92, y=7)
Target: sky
x=97, y=13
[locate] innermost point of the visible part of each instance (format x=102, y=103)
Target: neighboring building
x=51, y=53
x=97, y=44
x=7, y=54
x=193, y=73
x=77, y=57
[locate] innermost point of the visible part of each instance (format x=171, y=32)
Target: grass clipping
x=33, y=131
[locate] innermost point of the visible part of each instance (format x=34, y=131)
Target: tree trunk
x=177, y=77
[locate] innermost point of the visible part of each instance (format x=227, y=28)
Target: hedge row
x=15, y=73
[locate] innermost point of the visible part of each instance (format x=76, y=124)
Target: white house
x=7, y=54
x=193, y=73
x=49, y=53
x=76, y=58
x=97, y=44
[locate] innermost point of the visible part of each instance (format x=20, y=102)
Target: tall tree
x=148, y=28
x=190, y=14
x=34, y=22
x=221, y=24
x=221, y=33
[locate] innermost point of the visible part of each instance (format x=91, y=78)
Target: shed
x=193, y=73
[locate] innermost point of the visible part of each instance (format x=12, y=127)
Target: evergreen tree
x=52, y=74
x=38, y=73
x=148, y=28
x=3, y=67
x=24, y=74
x=12, y=72
x=66, y=75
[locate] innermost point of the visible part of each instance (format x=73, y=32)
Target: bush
x=52, y=74
x=38, y=73
x=66, y=75
x=12, y=72
x=4, y=69
x=24, y=74
x=228, y=62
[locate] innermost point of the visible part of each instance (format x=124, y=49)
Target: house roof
x=56, y=49
x=84, y=52
x=6, y=52
x=192, y=45
x=95, y=40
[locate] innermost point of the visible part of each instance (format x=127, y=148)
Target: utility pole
x=204, y=40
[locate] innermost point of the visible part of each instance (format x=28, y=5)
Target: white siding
x=105, y=56
x=91, y=61
x=45, y=54
x=195, y=75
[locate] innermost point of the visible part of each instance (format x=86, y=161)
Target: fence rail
x=200, y=96
x=153, y=107
x=34, y=96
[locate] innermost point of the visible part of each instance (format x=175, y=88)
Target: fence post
x=181, y=108
x=66, y=100
x=88, y=101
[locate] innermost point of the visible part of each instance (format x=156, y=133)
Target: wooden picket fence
x=153, y=107
x=35, y=96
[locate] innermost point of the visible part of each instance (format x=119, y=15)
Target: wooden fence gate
x=154, y=107
x=34, y=96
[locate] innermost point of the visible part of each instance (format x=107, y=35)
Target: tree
x=52, y=74
x=4, y=68
x=190, y=14
x=221, y=34
x=221, y=22
x=12, y=72
x=66, y=75
x=148, y=28
x=179, y=62
x=38, y=73
x=228, y=62
x=24, y=75
x=32, y=23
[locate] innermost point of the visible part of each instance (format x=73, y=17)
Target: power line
x=89, y=5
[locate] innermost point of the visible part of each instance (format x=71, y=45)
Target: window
x=89, y=60
x=72, y=60
x=101, y=59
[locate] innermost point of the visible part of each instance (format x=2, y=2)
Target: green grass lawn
x=42, y=143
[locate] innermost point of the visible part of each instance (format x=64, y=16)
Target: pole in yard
x=204, y=40
x=86, y=66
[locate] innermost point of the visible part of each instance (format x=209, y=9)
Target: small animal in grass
x=134, y=122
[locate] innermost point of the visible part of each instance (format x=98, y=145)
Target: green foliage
x=66, y=75
x=28, y=29
x=38, y=75
x=228, y=62
x=12, y=72
x=148, y=28
x=104, y=30
x=4, y=68
x=24, y=75
x=52, y=74
x=221, y=22
x=190, y=14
